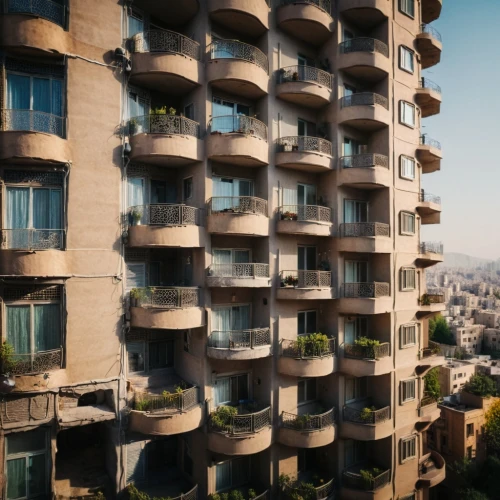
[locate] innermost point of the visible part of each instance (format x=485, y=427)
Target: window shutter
x=136, y=462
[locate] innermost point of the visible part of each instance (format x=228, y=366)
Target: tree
x=431, y=383
x=481, y=385
x=472, y=494
x=439, y=331
x=492, y=427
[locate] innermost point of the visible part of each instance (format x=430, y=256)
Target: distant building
x=491, y=339
x=469, y=338
x=487, y=318
x=454, y=375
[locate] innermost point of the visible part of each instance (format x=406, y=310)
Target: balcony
x=429, y=154
x=429, y=357
x=238, y=140
x=374, y=484
x=247, y=275
x=165, y=140
x=429, y=45
x=167, y=413
x=431, y=10
x=296, y=489
x=165, y=225
x=428, y=98
x=311, y=430
x=310, y=154
x=244, y=433
x=430, y=304
x=242, y=215
x=364, y=111
x=428, y=411
x=307, y=357
x=366, y=422
x=166, y=61
x=305, y=86
x=249, y=17
x=429, y=208
x=364, y=171
x=304, y=219
x=238, y=68
x=35, y=363
x=365, y=237
x=366, y=59
x=178, y=13
x=169, y=308
x=365, y=298
x=431, y=253
x=238, y=345
x=365, y=13
x=432, y=470
x=305, y=285
x=366, y=361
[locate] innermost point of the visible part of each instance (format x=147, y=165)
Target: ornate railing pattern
x=431, y=247
x=427, y=28
x=364, y=99
x=246, y=270
x=428, y=197
x=307, y=279
x=166, y=41
x=295, y=490
x=322, y=4
x=357, y=481
x=432, y=298
x=363, y=44
x=240, y=339
x=367, y=352
x=364, y=160
x=245, y=424
x=27, y=120
x=301, y=73
x=364, y=229
x=305, y=213
x=166, y=214
x=262, y=496
x=425, y=83
x=163, y=124
x=52, y=11
x=182, y=401
x=425, y=140
x=32, y=239
x=39, y=362
x=238, y=124
x=373, y=417
x=170, y=297
x=432, y=349
x=307, y=349
x=237, y=204
x=366, y=290
x=308, y=422
x=190, y=495
x=304, y=143
x=234, y=49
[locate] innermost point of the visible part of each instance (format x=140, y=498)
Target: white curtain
x=221, y=317
x=222, y=391
x=221, y=256
x=47, y=327
x=135, y=25
x=223, y=109
x=349, y=211
x=223, y=475
x=349, y=332
x=223, y=193
x=47, y=208
x=136, y=276
x=18, y=92
x=41, y=95
x=18, y=208
x=136, y=191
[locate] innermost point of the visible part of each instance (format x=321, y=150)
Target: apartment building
x=454, y=375
x=469, y=338
x=190, y=191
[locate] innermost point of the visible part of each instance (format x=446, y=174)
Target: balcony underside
x=431, y=10
x=285, y=293
x=375, y=244
x=307, y=161
x=430, y=212
x=429, y=311
x=364, y=306
x=429, y=259
x=365, y=13
x=429, y=49
x=364, y=118
x=237, y=149
x=188, y=236
x=167, y=319
x=173, y=13
x=364, y=178
x=366, y=432
x=307, y=439
x=367, y=66
x=239, y=354
x=429, y=101
x=430, y=158
x=242, y=444
x=249, y=17
x=241, y=224
x=366, y=367
x=307, y=94
x=307, y=367
x=383, y=493
x=236, y=282
x=312, y=228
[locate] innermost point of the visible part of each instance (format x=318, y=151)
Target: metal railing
x=247, y=423
x=27, y=120
x=369, y=290
x=262, y=496
x=164, y=214
x=308, y=422
x=307, y=279
x=431, y=298
x=301, y=73
x=237, y=205
x=296, y=490
x=234, y=49
x=428, y=197
x=427, y=28
x=372, y=417
x=428, y=404
x=238, y=124
x=304, y=143
x=364, y=229
x=181, y=401
x=32, y=239
x=322, y=4
x=364, y=44
x=166, y=41
x=372, y=352
x=425, y=140
x=357, y=481
x=364, y=99
x=305, y=213
x=38, y=362
x=432, y=349
x=240, y=339
x=190, y=495
x=431, y=247
x=307, y=349
x=171, y=297
x=364, y=160
x=52, y=11
x=425, y=83
x=241, y=270
x=163, y=124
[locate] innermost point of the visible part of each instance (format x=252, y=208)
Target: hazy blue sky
x=468, y=129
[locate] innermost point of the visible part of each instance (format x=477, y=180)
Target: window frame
x=306, y=313
x=405, y=282
x=231, y=376
x=231, y=460
x=404, y=217
x=402, y=165
x=146, y=350
x=306, y=381
x=470, y=434
x=402, y=114
x=403, y=390
x=404, y=335
x=402, y=59
x=359, y=389
x=404, y=9
x=186, y=180
x=412, y=442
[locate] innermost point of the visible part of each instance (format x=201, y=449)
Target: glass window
x=408, y=390
x=189, y=111
x=354, y=388
x=187, y=188
x=407, y=113
x=407, y=167
x=355, y=328
x=231, y=390
x=406, y=59
x=356, y=271
x=355, y=211
x=306, y=390
x=407, y=223
x=354, y=452
x=408, y=448
x=161, y=354
x=470, y=430
x=408, y=335
x=306, y=258
x=136, y=356
x=306, y=459
x=232, y=473
x=408, y=278
x=407, y=7
x=306, y=322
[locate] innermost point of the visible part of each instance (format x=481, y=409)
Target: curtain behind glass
x=241, y=256
x=223, y=476
x=222, y=391
x=136, y=191
x=241, y=318
x=135, y=26
x=36, y=475
x=16, y=478
x=55, y=209
x=18, y=328
x=240, y=471
x=18, y=208
x=47, y=327
x=41, y=208
x=221, y=317
x=223, y=192
x=41, y=95
x=57, y=97
x=221, y=256
x=18, y=91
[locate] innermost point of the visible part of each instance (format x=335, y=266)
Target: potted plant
x=289, y=216
x=136, y=216
x=324, y=265
x=140, y=295
x=7, y=360
x=425, y=300
x=158, y=110
x=291, y=280
x=287, y=147
x=295, y=147
x=366, y=414
x=295, y=76
x=172, y=111
x=366, y=347
x=133, y=126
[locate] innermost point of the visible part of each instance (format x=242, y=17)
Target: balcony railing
x=322, y=4
x=373, y=352
x=428, y=299
x=262, y=496
x=428, y=404
x=305, y=144
x=366, y=290
x=180, y=401
x=432, y=349
x=305, y=213
x=427, y=28
x=364, y=229
x=163, y=124
x=39, y=362
x=425, y=83
x=301, y=73
x=163, y=297
x=27, y=120
x=166, y=41
x=238, y=124
x=372, y=417
x=237, y=205
x=32, y=239
x=190, y=495
x=247, y=423
x=364, y=99
x=307, y=279
x=240, y=339
x=355, y=480
x=365, y=160
x=165, y=214
x=431, y=247
x=308, y=422
x=425, y=140
x=297, y=490
x=428, y=197
x=364, y=45
x=233, y=49
x=307, y=349
x=52, y=11
x=246, y=270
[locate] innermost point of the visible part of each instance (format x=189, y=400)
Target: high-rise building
x=191, y=192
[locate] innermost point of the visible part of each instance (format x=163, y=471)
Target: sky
x=468, y=129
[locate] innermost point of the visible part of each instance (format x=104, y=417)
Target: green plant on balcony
x=367, y=346
x=136, y=216
x=7, y=360
x=289, y=216
x=300, y=490
x=312, y=344
x=234, y=495
x=141, y=294
x=291, y=280
x=133, y=125
x=368, y=476
x=221, y=418
x=366, y=414
x=135, y=494
x=425, y=300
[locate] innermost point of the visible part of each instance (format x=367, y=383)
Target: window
x=408, y=448
x=232, y=473
x=354, y=452
x=305, y=128
x=306, y=322
x=469, y=452
x=146, y=356
x=306, y=390
x=135, y=22
x=226, y=115
x=231, y=390
x=407, y=113
x=470, y=430
x=306, y=258
x=355, y=388
x=408, y=278
x=408, y=335
x=460, y=375
x=355, y=211
x=306, y=459
x=407, y=167
x=228, y=193
x=408, y=390
x=189, y=111
x=406, y=59
x=355, y=328
x=407, y=223
x=187, y=188
x=356, y=271
x=407, y=7
x=229, y=318
x=223, y=260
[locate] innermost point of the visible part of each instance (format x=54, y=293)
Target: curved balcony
x=365, y=111
x=431, y=10
x=432, y=470
x=366, y=361
x=297, y=489
x=365, y=59
x=238, y=68
x=307, y=20
x=365, y=298
x=238, y=140
x=365, y=237
x=310, y=154
x=429, y=154
x=428, y=412
x=355, y=486
x=365, y=13
x=307, y=358
x=307, y=431
x=430, y=304
x=364, y=171
x=429, y=45
x=428, y=98
x=248, y=275
x=430, y=254
x=165, y=225
x=169, y=308
x=429, y=357
x=36, y=363
x=165, y=140
x=245, y=433
x=166, y=61
x=249, y=17
x=365, y=422
x=305, y=285
x=243, y=215
x=304, y=219
x=305, y=86
x=178, y=13
x=237, y=345
x=429, y=208
x=166, y=415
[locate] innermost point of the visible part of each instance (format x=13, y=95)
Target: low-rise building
x=469, y=338
x=454, y=375
x=491, y=339
x=487, y=318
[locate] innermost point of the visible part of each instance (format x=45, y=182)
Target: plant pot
x=295, y=148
